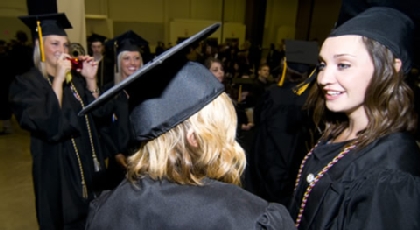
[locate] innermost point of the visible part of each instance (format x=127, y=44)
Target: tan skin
x=57, y=64
x=131, y=61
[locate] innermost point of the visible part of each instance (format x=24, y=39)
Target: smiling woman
x=365, y=164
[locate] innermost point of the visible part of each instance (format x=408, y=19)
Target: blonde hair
x=217, y=155
x=37, y=59
x=117, y=74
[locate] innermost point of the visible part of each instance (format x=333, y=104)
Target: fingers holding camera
x=63, y=66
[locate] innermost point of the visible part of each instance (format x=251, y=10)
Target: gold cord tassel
x=41, y=42
x=283, y=74
x=240, y=93
x=302, y=87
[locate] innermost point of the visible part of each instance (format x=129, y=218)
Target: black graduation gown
x=162, y=205
x=5, y=81
x=56, y=172
x=281, y=140
x=116, y=135
x=377, y=187
x=105, y=73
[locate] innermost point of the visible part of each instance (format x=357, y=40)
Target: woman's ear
x=192, y=138
x=397, y=64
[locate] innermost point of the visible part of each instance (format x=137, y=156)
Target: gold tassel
x=283, y=74
x=41, y=42
x=302, y=87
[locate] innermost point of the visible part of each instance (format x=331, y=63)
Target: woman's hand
x=90, y=67
x=63, y=67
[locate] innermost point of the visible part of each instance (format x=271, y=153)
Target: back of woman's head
x=216, y=154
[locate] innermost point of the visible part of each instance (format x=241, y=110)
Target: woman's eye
x=343, y=66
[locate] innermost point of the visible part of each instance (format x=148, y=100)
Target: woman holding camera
x=65, y=149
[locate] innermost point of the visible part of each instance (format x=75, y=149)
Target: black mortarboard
x=394, y=24
x=300, y=56
x=51, y=24
x=46, y=25
x=128, y=41
x=167, y=90
x=96, y=38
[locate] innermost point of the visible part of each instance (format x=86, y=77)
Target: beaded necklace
x=96, y=164
x=315, y=179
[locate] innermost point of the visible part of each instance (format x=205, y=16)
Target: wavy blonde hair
x=37, y=59
x=217, y=155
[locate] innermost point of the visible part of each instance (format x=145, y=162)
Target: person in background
x=105, y=69
x=216, y=67
x=115, y=129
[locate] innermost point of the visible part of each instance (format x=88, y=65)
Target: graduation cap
x=167, y=90
x=391, y=23
x=47, y=25
x=96, y=38
x=300, y=56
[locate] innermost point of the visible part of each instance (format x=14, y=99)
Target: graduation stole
x=312, y=179
x=96, y=164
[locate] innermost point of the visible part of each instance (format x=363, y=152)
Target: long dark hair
x=388, y=101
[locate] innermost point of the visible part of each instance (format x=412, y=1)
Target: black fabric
x=128, y=41
x=105, y=73
x=56, y=174
x=376, y=187
x=96, y=38
x=396, y=34
x=351, y=8
x=281, y=140
x=7, y=78
x=51, y=24
x=179, y=92
x=172, y=57
x=149, y=204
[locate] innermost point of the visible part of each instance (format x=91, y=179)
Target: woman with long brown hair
x=363, y=173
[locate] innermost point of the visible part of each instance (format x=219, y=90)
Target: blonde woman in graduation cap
x=364, y=172
x=115, y=129
x=186, y=173
x=67, y=160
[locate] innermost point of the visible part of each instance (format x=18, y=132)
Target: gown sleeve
x=37, y=110
x=387, y=200
x=275, y=217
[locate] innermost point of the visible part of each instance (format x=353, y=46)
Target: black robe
x=105, y=73
x=56, y=172
x=116, y=136
x=150, y=204
x=281, y=140
x=377, y=187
